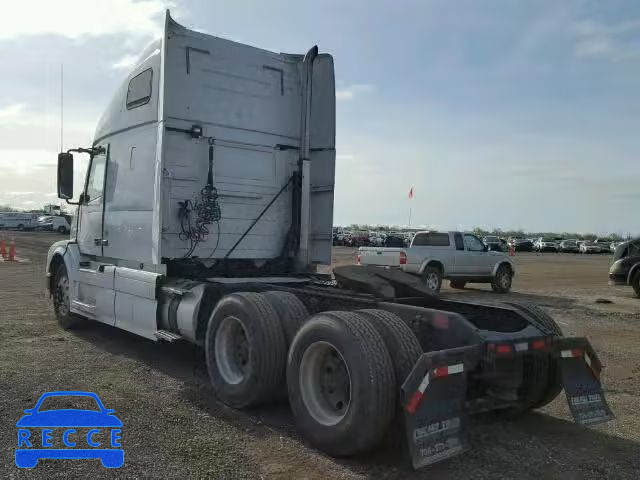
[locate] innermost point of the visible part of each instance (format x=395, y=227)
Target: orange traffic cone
x=3, y=248
x=12, y=251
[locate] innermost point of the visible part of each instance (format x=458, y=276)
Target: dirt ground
x=174, y=427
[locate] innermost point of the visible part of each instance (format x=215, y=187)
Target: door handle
x=101, y=242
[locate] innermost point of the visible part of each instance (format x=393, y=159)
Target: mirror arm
x=91, y=151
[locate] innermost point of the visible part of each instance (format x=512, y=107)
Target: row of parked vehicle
x=363, y=238
x=550, y=245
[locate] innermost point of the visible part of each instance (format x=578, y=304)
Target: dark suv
x=625, y=269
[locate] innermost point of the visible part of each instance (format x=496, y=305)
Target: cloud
x=125, y=62
x=609, y=42
x=351, y=91
x=79, y=18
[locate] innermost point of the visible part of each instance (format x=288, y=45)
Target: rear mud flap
x=581, y=368
x=434, y=397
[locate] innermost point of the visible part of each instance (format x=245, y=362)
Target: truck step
x=167, y=336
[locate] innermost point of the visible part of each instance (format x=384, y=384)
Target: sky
x=501, y=114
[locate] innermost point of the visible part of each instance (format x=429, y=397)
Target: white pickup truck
x=456, y=256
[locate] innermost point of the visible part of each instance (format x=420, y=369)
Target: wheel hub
x=232, y=350
x=325, y=384
x=432, y=281
x=61, y=296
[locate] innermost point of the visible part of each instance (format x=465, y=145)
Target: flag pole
x=409, y=212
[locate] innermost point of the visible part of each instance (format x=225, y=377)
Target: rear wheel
x=635, y=283
x=543, y=372
x=402, y=344
x=341, y=383
x=291, y=311
x=432, y=278
x=501, y=282
x=62, y=229
x=62, y=299
x=457, y=284
x=245, y=350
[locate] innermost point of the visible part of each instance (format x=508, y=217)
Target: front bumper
x=617, y=279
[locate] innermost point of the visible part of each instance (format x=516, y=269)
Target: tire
x=542, y=318
x=457, y=284
x=546, y=373
x=501, y=281
x=635, y=283
x=402, y=344
x=329, y=346
x=245, y=350
x=432, y=278
x=62, y=229
x=291, y=311
x=62, y=299
x=21, y=227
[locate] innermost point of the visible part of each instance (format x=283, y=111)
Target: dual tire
x=343, y=370
x=246, y=345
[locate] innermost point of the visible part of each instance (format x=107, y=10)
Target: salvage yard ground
x=174, y=428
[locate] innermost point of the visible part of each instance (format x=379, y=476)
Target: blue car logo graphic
x=85, y=433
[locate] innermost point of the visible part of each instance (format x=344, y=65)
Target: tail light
x=358, y=259
x=403, y=257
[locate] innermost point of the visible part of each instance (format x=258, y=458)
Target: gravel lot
x=174, y=428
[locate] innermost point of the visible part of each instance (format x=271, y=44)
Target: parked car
x=459, y=257
x=395, y=241
x=495, y=244
x=604, y=244
x=521, y=244
x=545, y=245
x=54, y=223
x=625, y=269
x=589, y=246
x=569, y=246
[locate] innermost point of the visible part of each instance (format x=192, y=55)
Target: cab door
x=92, y=207
x=474, y=255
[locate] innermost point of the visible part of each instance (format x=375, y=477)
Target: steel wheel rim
x=62, y=295
x=325, y=383
x=432, y=281
x=504, y=280
x=231, y=350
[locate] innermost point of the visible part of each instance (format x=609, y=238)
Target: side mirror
x=65, y=176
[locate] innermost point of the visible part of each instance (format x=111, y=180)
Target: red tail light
x=403, y=258
x=358, y=259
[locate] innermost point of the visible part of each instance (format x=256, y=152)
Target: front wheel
x=501, y=282
x=62, y=299
x=635, y=283
x=432, y=278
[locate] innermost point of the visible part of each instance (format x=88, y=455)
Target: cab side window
x=459, y=242
x=139, y=91
x=473, y=243
x=95, y=182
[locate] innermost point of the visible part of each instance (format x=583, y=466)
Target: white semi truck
x=208, y=204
